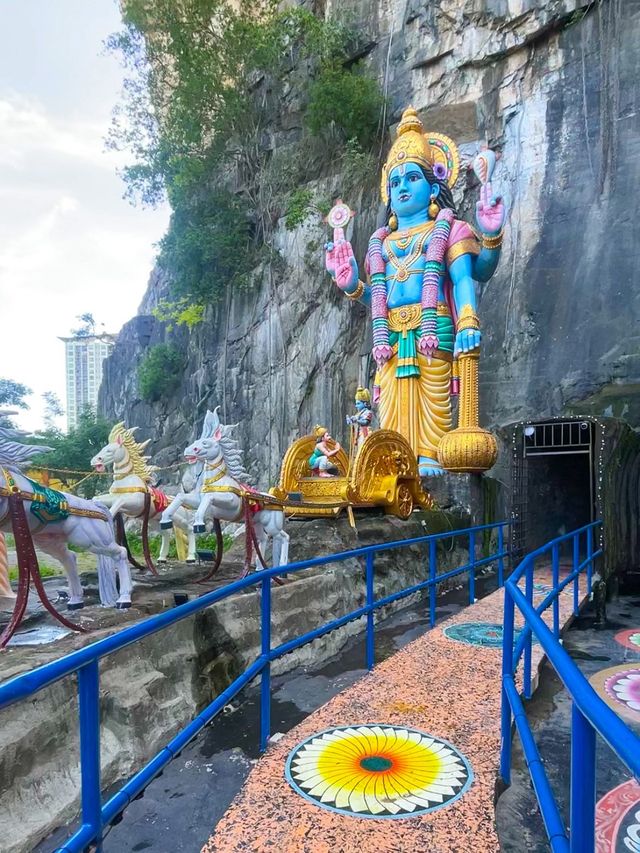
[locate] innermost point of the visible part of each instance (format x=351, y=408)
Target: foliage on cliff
x=159, y=372
x=200, y=116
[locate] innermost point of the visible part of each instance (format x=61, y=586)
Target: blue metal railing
x=85, y=662
x=590, y=714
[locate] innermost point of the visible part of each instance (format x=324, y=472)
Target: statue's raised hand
x=490, y=211
x=340, y=261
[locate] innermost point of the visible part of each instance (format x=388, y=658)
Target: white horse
x=82, y=523
x=131, y=476
x=223, y=486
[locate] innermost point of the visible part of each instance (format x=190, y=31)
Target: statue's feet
x=429, y=467
x=75, y=605
x=123, y=604
x=162, y=561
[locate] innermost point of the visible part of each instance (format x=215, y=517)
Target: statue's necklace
x=404, y=266
x=404, y=237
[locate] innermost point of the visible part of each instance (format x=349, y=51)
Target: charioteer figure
x=326, y=448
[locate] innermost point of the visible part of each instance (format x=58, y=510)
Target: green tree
x=74, y=450
x=87, y=329
x=12, y=395
x=52, y=409
x=206, y=81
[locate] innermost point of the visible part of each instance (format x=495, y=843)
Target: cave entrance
x=553, y=488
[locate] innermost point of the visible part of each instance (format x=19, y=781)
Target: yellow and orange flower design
x=378, y=771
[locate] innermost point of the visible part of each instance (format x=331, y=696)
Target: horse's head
x=111, y=454
x=207, y=447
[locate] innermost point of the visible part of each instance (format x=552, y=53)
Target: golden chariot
x=380, y=472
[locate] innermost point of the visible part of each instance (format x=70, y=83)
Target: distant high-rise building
x=83, y=363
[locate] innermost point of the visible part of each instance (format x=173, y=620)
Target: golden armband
x=492, y=242
x=467, y=319
x=357, y=293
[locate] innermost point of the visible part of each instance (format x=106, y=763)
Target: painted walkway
x=437, y=685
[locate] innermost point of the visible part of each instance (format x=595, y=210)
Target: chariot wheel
x=403, y=506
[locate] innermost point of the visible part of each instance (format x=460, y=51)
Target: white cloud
x=26, y=129
x=69, y=243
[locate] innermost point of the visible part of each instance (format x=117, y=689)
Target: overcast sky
x=69, y=242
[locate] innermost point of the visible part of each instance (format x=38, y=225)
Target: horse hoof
x=77, y=606
x=166, y=525
x=190, y=562
x=123, y=605
x=161, y=562
x=199, y=528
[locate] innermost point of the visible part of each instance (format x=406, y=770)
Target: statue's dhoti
x=415, y=395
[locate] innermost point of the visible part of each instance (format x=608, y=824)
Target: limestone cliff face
x=553, y=86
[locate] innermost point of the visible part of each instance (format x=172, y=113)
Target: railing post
x=371, y=653
x=432, y=585
x=507, y=671
x=576, y=580
x=472, y=566
x=555, y=581
x=589, y=558
x=89, y=716
x=500, y=558
x=265, y=675
x=529, y=642
x=583, y=783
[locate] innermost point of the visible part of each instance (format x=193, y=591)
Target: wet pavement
x=180, y=808
x=520, y=825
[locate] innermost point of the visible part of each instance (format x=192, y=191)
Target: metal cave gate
x=553, y=480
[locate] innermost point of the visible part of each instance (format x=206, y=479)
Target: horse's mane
x=232, y=454
x=229, y=447
x=13, y=453
x=135, y=450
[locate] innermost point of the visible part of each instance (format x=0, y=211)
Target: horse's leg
x=165, y=537
x=59, y=551
x=262, y=539
x=191, y=539
x=198, y=521
x=275, y=528
x=166, y=522
x=124, y=573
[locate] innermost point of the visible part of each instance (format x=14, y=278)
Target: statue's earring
x=433, y=208
x=393, y=222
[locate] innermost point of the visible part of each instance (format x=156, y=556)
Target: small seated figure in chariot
x=361, y=421
x=326, y=448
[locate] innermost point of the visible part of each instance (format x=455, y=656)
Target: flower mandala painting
x=378, y=771
x=625, y=687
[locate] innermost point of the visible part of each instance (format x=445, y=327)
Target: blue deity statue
x=421, y=266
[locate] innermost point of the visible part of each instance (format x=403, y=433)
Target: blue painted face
x=360, y=405
x=410, y=191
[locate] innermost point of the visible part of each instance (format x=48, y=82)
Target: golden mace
x=469, y=449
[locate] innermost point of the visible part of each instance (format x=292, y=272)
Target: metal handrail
x=94, y=815
x=590, y=714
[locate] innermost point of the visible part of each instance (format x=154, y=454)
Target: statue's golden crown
x=433, y=150
x=363, y=395
x=319, y=431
